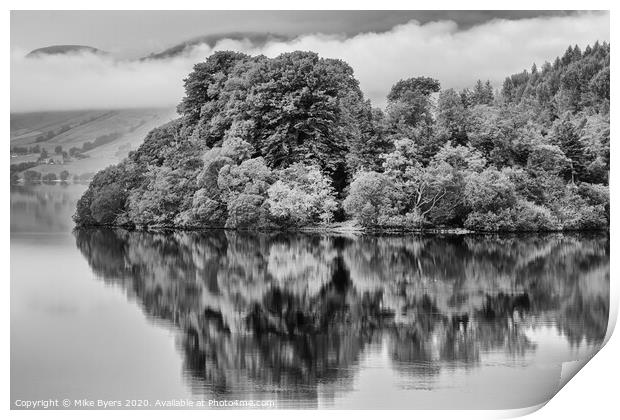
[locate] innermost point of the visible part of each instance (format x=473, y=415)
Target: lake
x=300, y=320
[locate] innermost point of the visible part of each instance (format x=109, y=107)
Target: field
x=97, y=138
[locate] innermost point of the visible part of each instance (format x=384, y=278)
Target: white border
x=592, y=394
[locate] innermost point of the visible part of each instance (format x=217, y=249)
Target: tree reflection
x=289, y=313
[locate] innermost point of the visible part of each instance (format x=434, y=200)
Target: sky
x=456, y=47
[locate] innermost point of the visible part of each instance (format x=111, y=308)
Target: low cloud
x=438, y=49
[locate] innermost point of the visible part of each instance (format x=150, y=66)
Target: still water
x=305, y=320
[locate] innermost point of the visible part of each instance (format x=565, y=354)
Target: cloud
x=456, y=57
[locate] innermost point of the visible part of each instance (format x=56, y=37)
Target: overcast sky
x=457, y=47
x=128, y=33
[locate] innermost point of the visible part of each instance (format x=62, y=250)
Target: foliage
x=207, y=211
x=291, y=141
x=370, y=196
x=107, y=194
x=251, y=176
x=524, y=216
x=164, y=194
x=490, y=191
x=245, y=211
x=302, y=195
x=32, y=176
x=107, y=203
x=49, y=177
x=574, y=82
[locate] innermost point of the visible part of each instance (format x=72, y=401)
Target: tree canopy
x=290, y=141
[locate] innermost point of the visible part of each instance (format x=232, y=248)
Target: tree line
x=290, y=141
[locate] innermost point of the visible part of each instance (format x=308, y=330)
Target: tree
x=251, y=176
x=302, y=195
x=105, y=199
x=298, y=110
x=409, y=102
x=58, y=150
x=213, y=160
x=370, y=196
x=420, y=190
x=461, y=158
x=207, y=211
x=165, y=195
x=64, y=175
x=283, y=142
x=369, y=141
x=205, y=82
x=423, y=189
x=483, y=93
x=49, y=177
x=32, y=176
x=565, y=136
x=244, y=211
x=547, y=159
x=452, y=117
x=455, y=164
x=107, y=204
x=490, y=190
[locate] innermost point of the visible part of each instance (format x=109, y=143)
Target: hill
x=64, y=49
x=80, y=142
x=257, y=39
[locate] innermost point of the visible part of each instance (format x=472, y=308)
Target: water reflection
x=44, y=208
x=293, y=316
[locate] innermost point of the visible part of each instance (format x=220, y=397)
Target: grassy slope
x=134, y=124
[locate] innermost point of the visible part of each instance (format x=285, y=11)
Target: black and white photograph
x=306, y=209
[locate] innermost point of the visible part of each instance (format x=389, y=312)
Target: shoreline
x=343, y=228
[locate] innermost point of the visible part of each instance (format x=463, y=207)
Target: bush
x=82, y=216
x=32, y=176
x=586, y=218
x=525, y=216
x=531, y=217
x=410, y=220
x=49, y=177
x=24, y=166
x=368, y=216
x=207, y=211
x=489, y=191
x=575, y=212
x=594, y=194
x=166, y=194
x=213, y=162
x=106, y=195
x=548, y=159
x=251, y=176
x=107, y=204
x=490, y=222
x=245, y=211
x=369, y=196
x=302, y=196
x=237, y=149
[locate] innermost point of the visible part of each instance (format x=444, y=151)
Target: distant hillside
x=64, y=49
x=255, y=38
x=79, y=142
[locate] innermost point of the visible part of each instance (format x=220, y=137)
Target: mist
x=457, y=58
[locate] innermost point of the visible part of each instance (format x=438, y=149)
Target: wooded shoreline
x=291, y=143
